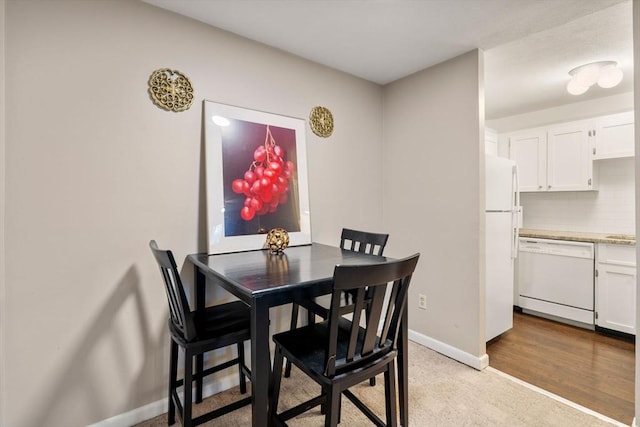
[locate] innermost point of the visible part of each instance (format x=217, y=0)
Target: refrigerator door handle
x=516, y=212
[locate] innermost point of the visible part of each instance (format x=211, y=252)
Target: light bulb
x=610, y=76
x=574, y=88
x=587, y=75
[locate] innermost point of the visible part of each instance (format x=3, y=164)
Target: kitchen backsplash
x=611, y=209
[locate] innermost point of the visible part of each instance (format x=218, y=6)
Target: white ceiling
x=530, y=45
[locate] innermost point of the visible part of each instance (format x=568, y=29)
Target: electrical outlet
x=422, y=301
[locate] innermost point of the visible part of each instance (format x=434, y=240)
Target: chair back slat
x=368, y=283
x=374, y=314
x=180, y=314
x=363, y=241
x=172, y=297
x=358, y=306
x=393, y=296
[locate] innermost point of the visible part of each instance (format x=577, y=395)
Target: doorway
x=578, y=355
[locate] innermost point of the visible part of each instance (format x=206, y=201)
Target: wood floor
x=591, y=369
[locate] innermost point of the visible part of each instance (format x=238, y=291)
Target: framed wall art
x=256, y=178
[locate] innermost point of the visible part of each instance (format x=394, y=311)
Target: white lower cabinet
x=615, y=287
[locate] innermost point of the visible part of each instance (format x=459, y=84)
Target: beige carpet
x=443, y=393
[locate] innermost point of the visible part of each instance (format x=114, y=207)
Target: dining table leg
x=260, y=362
x=403, y=370
x=200, y=301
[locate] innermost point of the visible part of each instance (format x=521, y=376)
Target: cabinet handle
x=594, y=151
x=589, y=133
x=589, y=182
x=539, y=187
x=548, y=187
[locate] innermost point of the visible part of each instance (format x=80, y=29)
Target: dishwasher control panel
x=558, y=247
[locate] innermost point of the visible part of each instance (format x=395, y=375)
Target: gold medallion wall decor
x=321, y=121
x=170, y=89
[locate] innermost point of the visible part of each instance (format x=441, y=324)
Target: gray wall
x=92, y=171
x=432, y=196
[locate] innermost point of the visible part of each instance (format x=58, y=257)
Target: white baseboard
x=475, y=362
x=135, y=416
x=160, y=407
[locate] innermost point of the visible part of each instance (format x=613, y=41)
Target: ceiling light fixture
x=605, y=73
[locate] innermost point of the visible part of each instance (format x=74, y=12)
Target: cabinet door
x=616, y=298
x=614, y=136
x=569, y=157
x=529, y=150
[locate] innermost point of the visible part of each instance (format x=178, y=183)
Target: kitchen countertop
x=578, y=236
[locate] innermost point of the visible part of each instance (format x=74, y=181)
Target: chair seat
x=223, y=324
x=222, y=319
x=306, y=346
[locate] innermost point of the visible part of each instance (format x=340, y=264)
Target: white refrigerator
x=503, y=213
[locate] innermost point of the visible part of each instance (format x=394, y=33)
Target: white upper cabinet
x=569, y=161
x=529, y=150
x=557, y=158
x=560, y=157
x=614, y=136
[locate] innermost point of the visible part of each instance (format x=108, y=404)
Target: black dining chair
x=352, y=240
x=338, y=353
x=197, y=333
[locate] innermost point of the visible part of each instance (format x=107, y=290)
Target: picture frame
x=241, y=207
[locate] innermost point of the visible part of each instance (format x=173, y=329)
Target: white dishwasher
x=555, y=277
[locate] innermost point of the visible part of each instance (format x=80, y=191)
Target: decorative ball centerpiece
x=277, y=240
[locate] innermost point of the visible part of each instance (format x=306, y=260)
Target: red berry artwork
x=266, y=181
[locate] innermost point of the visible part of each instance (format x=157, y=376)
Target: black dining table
x=263, y=280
